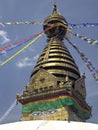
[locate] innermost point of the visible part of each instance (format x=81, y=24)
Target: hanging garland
x=89, y=64
x=88, y=40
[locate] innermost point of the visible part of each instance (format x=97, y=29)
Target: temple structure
x=56, y=90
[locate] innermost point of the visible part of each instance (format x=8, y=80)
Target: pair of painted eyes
x=45, y=112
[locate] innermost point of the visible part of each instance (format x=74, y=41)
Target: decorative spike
x=55, y=9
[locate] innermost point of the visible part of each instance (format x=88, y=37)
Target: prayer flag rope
x=88, y=63
x=88, y=40
x=13, y=47
x=16, y=44
x=26, y=46
x=19, y=23
x=8, y=111
x=78, y=25
x=21, y=50
x=81, y=25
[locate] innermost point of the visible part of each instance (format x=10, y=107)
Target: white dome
x=48, y=125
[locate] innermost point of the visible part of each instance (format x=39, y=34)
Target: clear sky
x=15, y=74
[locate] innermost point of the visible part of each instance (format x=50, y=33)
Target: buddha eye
x=37, y=113
x=51, y=111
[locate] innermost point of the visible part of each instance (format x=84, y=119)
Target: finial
x=55, y=9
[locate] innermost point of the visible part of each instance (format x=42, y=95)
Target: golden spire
x=55, y=57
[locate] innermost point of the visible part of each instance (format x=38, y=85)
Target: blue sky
x=15, y=74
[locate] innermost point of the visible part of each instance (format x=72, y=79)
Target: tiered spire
x=56, y=58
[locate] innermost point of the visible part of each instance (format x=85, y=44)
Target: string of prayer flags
x=25, y=47
x=88, y=63
x=80, y=25
x=16, y=44
x=17, y=23
x=21, y=50
x=88, y=40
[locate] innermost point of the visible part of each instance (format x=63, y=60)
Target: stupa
x=56, y=90
x=55, y=97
